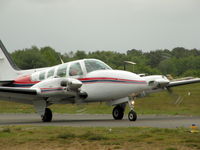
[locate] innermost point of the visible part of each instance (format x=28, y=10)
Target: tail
x=8, y=69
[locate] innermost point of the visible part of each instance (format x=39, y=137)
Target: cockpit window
x=92, y=65
x=75, y=69
x=62, y=70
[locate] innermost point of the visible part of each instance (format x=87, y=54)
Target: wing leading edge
x=183, y=82
x=20, y=95
x=27, y=91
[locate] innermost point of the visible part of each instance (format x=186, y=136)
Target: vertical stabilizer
x=8, y=69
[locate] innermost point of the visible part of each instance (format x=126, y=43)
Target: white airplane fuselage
x=100, y=85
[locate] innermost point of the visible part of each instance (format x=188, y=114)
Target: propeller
x=169, y=90
x=178, y=99
x=162, y=83
x=73, y=85
x=79, y=102
x=81, y=108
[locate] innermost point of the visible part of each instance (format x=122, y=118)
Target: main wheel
x=132, y=115
x=47, y=115
x=118, y=113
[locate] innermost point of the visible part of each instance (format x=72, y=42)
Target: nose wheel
x=132, y=116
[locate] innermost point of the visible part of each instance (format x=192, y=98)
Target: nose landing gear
x=132, y=115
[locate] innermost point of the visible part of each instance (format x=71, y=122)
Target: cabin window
x=75, y=69
x=62, y=70
x=50, y=73
x=42, y=76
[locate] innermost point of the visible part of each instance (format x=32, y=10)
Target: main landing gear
x=118, y=112
x=47, y=117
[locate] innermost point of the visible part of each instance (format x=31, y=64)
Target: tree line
x=178, y=62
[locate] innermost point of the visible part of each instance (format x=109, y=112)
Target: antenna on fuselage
x=62, y=62
x=129, y=62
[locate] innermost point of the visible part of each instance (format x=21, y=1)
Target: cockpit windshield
x=93, y=65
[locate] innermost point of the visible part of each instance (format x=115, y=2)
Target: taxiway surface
x=105, y=120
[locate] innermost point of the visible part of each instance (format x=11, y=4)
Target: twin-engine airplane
x=81, y=81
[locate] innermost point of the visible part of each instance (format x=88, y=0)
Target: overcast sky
x=117, y=25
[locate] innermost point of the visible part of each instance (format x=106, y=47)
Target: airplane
x=80, y=81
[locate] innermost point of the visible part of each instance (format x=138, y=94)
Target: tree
x=29, y=58
x=50, y=55
x=178, y=62
x=155, y=57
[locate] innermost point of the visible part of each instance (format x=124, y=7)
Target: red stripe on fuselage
x=25, y=80
x=105, y=78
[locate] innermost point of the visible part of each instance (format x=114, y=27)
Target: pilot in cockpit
x=75, y=69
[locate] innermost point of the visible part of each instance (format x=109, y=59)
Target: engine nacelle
x=58, y=87
x=157, y=81
x=70, y=83
x=160, y=83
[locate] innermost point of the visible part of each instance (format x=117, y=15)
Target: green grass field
x=157, y=103
x=98, y=138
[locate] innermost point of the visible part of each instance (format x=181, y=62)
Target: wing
x=21, y=95
x=183, y=82
x=168, y=86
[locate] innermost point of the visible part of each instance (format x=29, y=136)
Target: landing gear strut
x=132, y=115
x=47, y=117
x=118, y=112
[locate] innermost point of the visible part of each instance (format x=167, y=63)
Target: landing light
x=132, y=102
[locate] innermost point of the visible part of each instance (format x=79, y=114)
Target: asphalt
x=99, y=120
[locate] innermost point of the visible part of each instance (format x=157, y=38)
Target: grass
x=35, y=137
x=164, y=103
x=156, y=103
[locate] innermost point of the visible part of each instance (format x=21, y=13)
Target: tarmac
x=101, y=120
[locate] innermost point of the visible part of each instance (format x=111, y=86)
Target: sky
x=90, y=25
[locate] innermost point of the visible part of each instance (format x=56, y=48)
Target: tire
x=118, y=113
x=132, y=116
x=47, y=115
